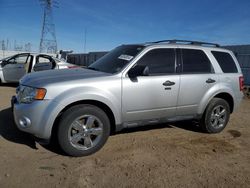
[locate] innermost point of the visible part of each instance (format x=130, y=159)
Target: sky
x=109, y=23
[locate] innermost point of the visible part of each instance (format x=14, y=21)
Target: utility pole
x=27, y=47
x=48, y=42
x=3, y=47
x=85, y=39
x=15, y=45
x=7, y=45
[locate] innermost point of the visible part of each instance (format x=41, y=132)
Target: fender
x=80, y=94
x=212, y=92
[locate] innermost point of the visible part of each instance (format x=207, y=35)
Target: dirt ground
x=169, y=155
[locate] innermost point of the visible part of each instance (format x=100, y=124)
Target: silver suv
x=133, y=85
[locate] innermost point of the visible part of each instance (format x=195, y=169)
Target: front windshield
x=117, y=59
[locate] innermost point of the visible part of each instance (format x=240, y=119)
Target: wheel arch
x=225, y=93
x=227, y=97
x=97, y=103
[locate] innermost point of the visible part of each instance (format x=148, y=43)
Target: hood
x=43, y=78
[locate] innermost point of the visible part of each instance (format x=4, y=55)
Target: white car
x=13, y=68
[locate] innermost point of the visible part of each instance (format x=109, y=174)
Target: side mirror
x=138, y=70
x=42, y=66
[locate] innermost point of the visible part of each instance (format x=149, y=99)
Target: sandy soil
x=169, y=155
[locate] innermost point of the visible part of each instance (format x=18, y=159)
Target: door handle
x=168, y=83
x=209, y=81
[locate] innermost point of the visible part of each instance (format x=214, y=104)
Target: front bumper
x=32, y=118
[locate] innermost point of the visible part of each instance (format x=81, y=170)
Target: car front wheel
x=83, y=130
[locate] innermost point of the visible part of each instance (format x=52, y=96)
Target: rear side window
x=159, y=61
x=225, y=61
x=195, y=61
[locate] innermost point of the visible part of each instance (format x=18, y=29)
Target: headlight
x=27, y=94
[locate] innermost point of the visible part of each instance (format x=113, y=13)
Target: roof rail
x=186, y=42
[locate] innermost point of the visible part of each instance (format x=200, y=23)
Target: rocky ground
x=168, y=155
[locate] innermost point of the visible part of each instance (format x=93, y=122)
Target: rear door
x=197, y=77
x=15, y=68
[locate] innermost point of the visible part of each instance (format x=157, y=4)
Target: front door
x=154, y=96
x=15, y=68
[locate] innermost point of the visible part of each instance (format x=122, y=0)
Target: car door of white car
x=16, y=67
x=154, y=96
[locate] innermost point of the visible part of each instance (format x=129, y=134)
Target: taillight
x=241, y=82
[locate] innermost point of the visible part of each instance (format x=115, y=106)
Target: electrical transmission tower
x=48, y=42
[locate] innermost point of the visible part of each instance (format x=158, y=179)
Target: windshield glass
x=117, y=59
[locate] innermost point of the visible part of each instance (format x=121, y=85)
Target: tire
x=83, y=130
x=216, y=116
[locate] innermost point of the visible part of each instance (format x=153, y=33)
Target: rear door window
x=42, y=59
x=195, y=61
x=225, y=61
x=45, y=59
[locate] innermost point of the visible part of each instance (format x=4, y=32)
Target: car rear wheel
x=216, y=116
x=83, y=130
